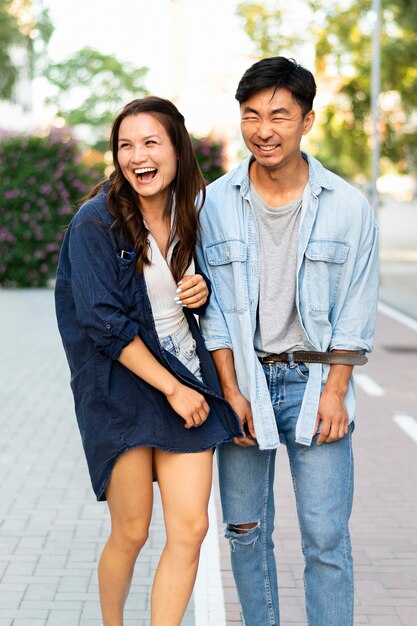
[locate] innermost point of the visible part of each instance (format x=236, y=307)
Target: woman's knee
x=130, y=536
x=190, y=532
x=200, y=529
x=197, y=530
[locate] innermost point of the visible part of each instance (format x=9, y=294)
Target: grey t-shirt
x=278, y=326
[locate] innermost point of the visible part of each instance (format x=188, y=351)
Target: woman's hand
x=192, y=291
x=189, y=404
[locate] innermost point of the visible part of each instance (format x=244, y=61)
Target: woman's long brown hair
x=187, y=188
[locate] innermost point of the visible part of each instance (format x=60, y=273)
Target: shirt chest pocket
x=227, y=260
x=324, y=265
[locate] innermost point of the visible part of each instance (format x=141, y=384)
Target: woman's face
x=146, y=156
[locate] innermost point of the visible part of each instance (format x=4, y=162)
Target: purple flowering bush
x=209, y=155
x=42, y=181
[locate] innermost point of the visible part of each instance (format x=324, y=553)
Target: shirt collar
x=317, y=177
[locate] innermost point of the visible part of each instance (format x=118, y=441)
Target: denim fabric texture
x=337, y=284
x=101, y=305
x=183, y=345
x=323, y=486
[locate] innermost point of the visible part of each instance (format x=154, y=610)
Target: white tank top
x=162, y=289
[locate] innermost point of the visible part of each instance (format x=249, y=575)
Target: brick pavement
x=384, y=518
x=52, y=530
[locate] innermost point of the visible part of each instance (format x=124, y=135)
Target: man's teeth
x=143, y=170
x=268, y=148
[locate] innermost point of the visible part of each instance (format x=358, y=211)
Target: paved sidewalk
x=52, y=530
x=384, y=519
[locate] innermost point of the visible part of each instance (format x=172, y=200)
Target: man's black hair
x=276, y=72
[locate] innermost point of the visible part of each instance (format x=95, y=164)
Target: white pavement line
x=208, y=590
x=407, y=423
x=368, y=385
x=396, y=315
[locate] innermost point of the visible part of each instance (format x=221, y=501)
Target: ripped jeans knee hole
x=242, y=534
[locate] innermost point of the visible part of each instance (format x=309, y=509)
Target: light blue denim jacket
x=337, y=284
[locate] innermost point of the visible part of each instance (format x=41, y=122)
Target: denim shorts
x=182, y=345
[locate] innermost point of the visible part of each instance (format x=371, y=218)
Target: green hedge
x=209, y=155
x=42, y=181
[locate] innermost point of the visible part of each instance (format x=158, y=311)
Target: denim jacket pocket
x=126, y=266
x=227, y=260
x=324, y=262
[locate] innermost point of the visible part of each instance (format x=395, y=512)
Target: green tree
x=264, y=23
x=24, y=25
x=343, y=45
x=91, y=87
x=342, y=32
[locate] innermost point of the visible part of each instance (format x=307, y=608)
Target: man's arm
x=332, y=416
x=353, y=329
x=224, y=364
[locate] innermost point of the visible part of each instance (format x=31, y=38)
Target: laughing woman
x=147, y=399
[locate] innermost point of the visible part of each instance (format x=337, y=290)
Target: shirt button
x=108, y=326
x=227, y=253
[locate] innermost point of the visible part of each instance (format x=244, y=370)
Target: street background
x=52, y=530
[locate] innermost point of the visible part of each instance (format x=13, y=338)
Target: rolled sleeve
x=116, y=344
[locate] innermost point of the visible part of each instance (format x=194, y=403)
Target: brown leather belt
x=304, y=356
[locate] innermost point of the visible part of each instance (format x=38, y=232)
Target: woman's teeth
x=145, y=173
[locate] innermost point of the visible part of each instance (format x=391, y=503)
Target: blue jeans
x=182, y=344
x=323, y=485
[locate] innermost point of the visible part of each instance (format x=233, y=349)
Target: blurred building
x=18, y=114
x=207, y=53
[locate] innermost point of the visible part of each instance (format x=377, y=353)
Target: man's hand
x=224, y=363
x=332, y=416
x=243, y=410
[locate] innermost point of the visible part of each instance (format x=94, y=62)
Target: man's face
x=272, y=126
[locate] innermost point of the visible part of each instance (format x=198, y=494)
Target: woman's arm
x=189, y=404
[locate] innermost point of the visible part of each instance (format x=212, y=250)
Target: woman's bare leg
x=185, y=484
x=130, y=499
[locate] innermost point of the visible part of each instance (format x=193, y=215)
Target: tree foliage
x=342, y=36
x=343, y=44
x=264, y=23
x=92, y=86
x=9, y=35
x=24, y=26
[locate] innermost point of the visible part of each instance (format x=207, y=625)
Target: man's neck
x=282, y=185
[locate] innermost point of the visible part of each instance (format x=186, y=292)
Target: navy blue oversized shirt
x=101, y=305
